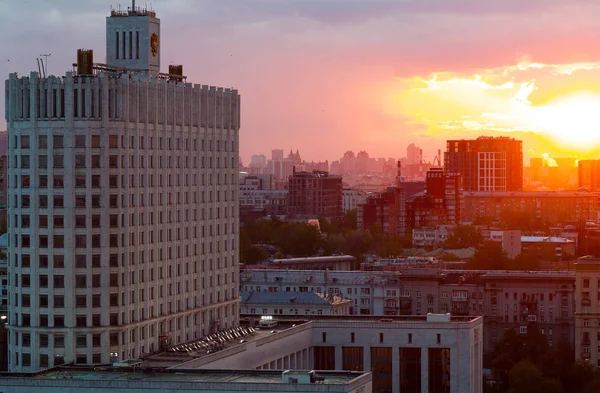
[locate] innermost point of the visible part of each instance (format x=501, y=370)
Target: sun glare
x=573, y=121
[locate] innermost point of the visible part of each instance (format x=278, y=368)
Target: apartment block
x=513, y=300
x=315, y=194
x=486, y=163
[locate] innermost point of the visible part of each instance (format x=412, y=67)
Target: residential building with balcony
x=486, y=163
x=316, y=194
x=514, y=300
x=587, y=310
x=386, y=210
x=554, y=207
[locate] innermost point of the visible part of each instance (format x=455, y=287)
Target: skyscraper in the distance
x=486, y=163
x=123, y=205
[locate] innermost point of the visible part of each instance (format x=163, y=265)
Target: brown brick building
x=315, y=193
x=486, y=163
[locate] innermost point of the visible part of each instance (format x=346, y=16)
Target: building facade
x=441, y=204
x=386, y=210
x=316, y=194
x=512, y=300
x=587, y=324
x=589, y=174
x=434, y=353
x=486, y=163
x=553, y=207
x=352, y=199
x=123, y=206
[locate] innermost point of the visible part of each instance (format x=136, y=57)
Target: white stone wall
x=140, y=30
x=145, y=238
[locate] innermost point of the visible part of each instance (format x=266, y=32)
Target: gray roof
x=298, y=298
x=316, y=277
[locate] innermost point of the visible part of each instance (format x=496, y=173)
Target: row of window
x=118, y=319
x=80, y=141
x=80, y=162
x=134, y=199
x=80, y=241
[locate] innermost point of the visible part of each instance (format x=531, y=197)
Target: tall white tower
x=133, y=39
x=123, y=206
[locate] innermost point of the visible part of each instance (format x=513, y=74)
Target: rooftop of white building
x=187, y=380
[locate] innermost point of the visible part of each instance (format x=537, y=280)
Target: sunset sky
x=328, y=76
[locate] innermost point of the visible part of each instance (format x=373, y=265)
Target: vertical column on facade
x=367, y=358
x=395, y=369
x=338, y=358
x=424, y=369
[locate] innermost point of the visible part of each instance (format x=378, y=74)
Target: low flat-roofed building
x=413, y=353
x=331, y=262
x=293, y=303
x=128, y=379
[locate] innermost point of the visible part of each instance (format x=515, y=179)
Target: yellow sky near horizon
x=553, y=108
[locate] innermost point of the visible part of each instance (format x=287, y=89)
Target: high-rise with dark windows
x=486, y=163
x=123, y=205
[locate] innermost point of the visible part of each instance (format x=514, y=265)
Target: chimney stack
x=399, y=174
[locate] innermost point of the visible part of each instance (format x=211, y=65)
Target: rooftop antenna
x=45, y=68
x=39, y=68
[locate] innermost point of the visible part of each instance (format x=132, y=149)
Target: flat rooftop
x=179, y=375
x=172, y=358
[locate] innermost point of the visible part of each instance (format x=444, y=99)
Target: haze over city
x=322, y=196
x=331, y=76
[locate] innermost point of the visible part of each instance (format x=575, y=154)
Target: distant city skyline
x=358, y=75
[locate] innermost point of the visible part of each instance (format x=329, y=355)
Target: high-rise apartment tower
x=123, y=205
x=486, y=163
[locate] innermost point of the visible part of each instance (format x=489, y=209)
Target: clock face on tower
x=154, y=44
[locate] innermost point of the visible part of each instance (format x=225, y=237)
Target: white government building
x=433, y=353
x=122, y=203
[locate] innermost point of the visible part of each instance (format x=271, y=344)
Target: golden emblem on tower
x=154, y=44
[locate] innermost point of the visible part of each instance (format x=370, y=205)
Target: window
x=80, y=161
x=410, y=338
x=24, y=161
x=438, y=338
x=43, y=142
x=352, y=337
x=59, y=161
x=381, y=337
x=324, y=336
x=79, y=140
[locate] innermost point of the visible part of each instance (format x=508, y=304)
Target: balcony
x=585, y=356
x=527, y=310
x=462, y=311
x=387, y=310
x=529, y=300
x=585, y=341
x=406, y=307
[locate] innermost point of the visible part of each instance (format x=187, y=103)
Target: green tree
x=525, y=377
x=526, y=261
x=463, y=236
x=490, y=256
